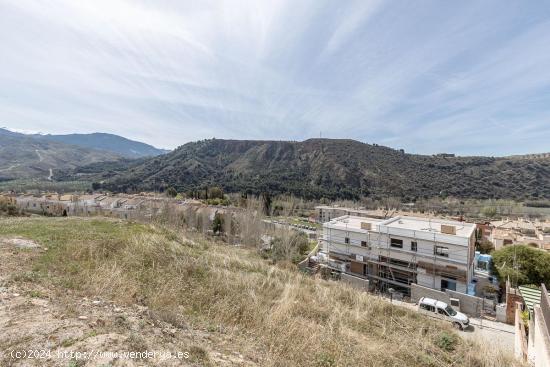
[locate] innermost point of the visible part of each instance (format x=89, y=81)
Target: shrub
x=171, y=192
x=290, y=246
x=484, y=246
x=446, y=341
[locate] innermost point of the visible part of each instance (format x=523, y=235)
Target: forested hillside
x=328, y=168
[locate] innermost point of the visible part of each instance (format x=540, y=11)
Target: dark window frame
x=438, y=252
x=414, y=246
x=396, y=243
x=449, y=282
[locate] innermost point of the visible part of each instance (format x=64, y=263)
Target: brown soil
x=37, y=317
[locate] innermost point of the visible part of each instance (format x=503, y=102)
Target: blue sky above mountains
x=468, y=77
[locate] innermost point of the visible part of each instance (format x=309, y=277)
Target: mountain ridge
x=112, y=143
x=331, y=168
x=108, y=142
x=24, y=157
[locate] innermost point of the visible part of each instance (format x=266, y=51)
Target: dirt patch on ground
x=19, y=242
x=56, y=324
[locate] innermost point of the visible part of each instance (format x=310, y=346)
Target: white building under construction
x=396, y=252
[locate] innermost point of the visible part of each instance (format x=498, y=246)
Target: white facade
x=403, y=250
x=325, y=213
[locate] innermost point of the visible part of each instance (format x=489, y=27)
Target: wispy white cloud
x=425, y=76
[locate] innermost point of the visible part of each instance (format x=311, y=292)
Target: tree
x=215, y=193
x=522, y=264
x=96, y=186
x=484, y=246
x=171, y=192
x=217, y=224
x=489, y=211
x=267, y=200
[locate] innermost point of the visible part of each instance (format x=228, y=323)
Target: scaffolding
x=382, y=267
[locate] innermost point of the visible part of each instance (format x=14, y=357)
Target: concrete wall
x=541, y=342
x=531, y=352
x=355, y=282
x=501, y=312
x=520, y=341
x=470, y=305
x=418, y=292
x=512, y=300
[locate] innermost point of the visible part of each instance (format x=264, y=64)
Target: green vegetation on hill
x=522, y=264
x=318, y=168
x=293, y=319
x=37, y=184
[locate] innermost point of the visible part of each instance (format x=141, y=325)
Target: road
x=486, y=331
x=9, y=168
x=40, y=158
x=491, y=332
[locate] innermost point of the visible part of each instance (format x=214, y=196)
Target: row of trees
x=206, y=193
x=243, y=226
x=8, y=208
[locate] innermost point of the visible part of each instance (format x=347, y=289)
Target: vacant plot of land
x=116, y=286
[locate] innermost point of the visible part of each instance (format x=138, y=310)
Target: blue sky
x=467, y=77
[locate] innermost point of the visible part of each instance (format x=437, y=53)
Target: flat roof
x=426, y=225
x=348, y=221
x=430, y=225
x=353, y=210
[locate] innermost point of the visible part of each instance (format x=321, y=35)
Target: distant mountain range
x=328, y=168
x=108, y=142
x=23, y=156
x=99, y=141
x=38, y=156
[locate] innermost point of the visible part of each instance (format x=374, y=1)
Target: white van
x=443, y=311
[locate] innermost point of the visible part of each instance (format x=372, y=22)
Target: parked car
x=441, y=310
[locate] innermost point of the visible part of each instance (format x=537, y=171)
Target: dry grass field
x=224, y=304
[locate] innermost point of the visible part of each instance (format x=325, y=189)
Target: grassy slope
x=297, y=320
